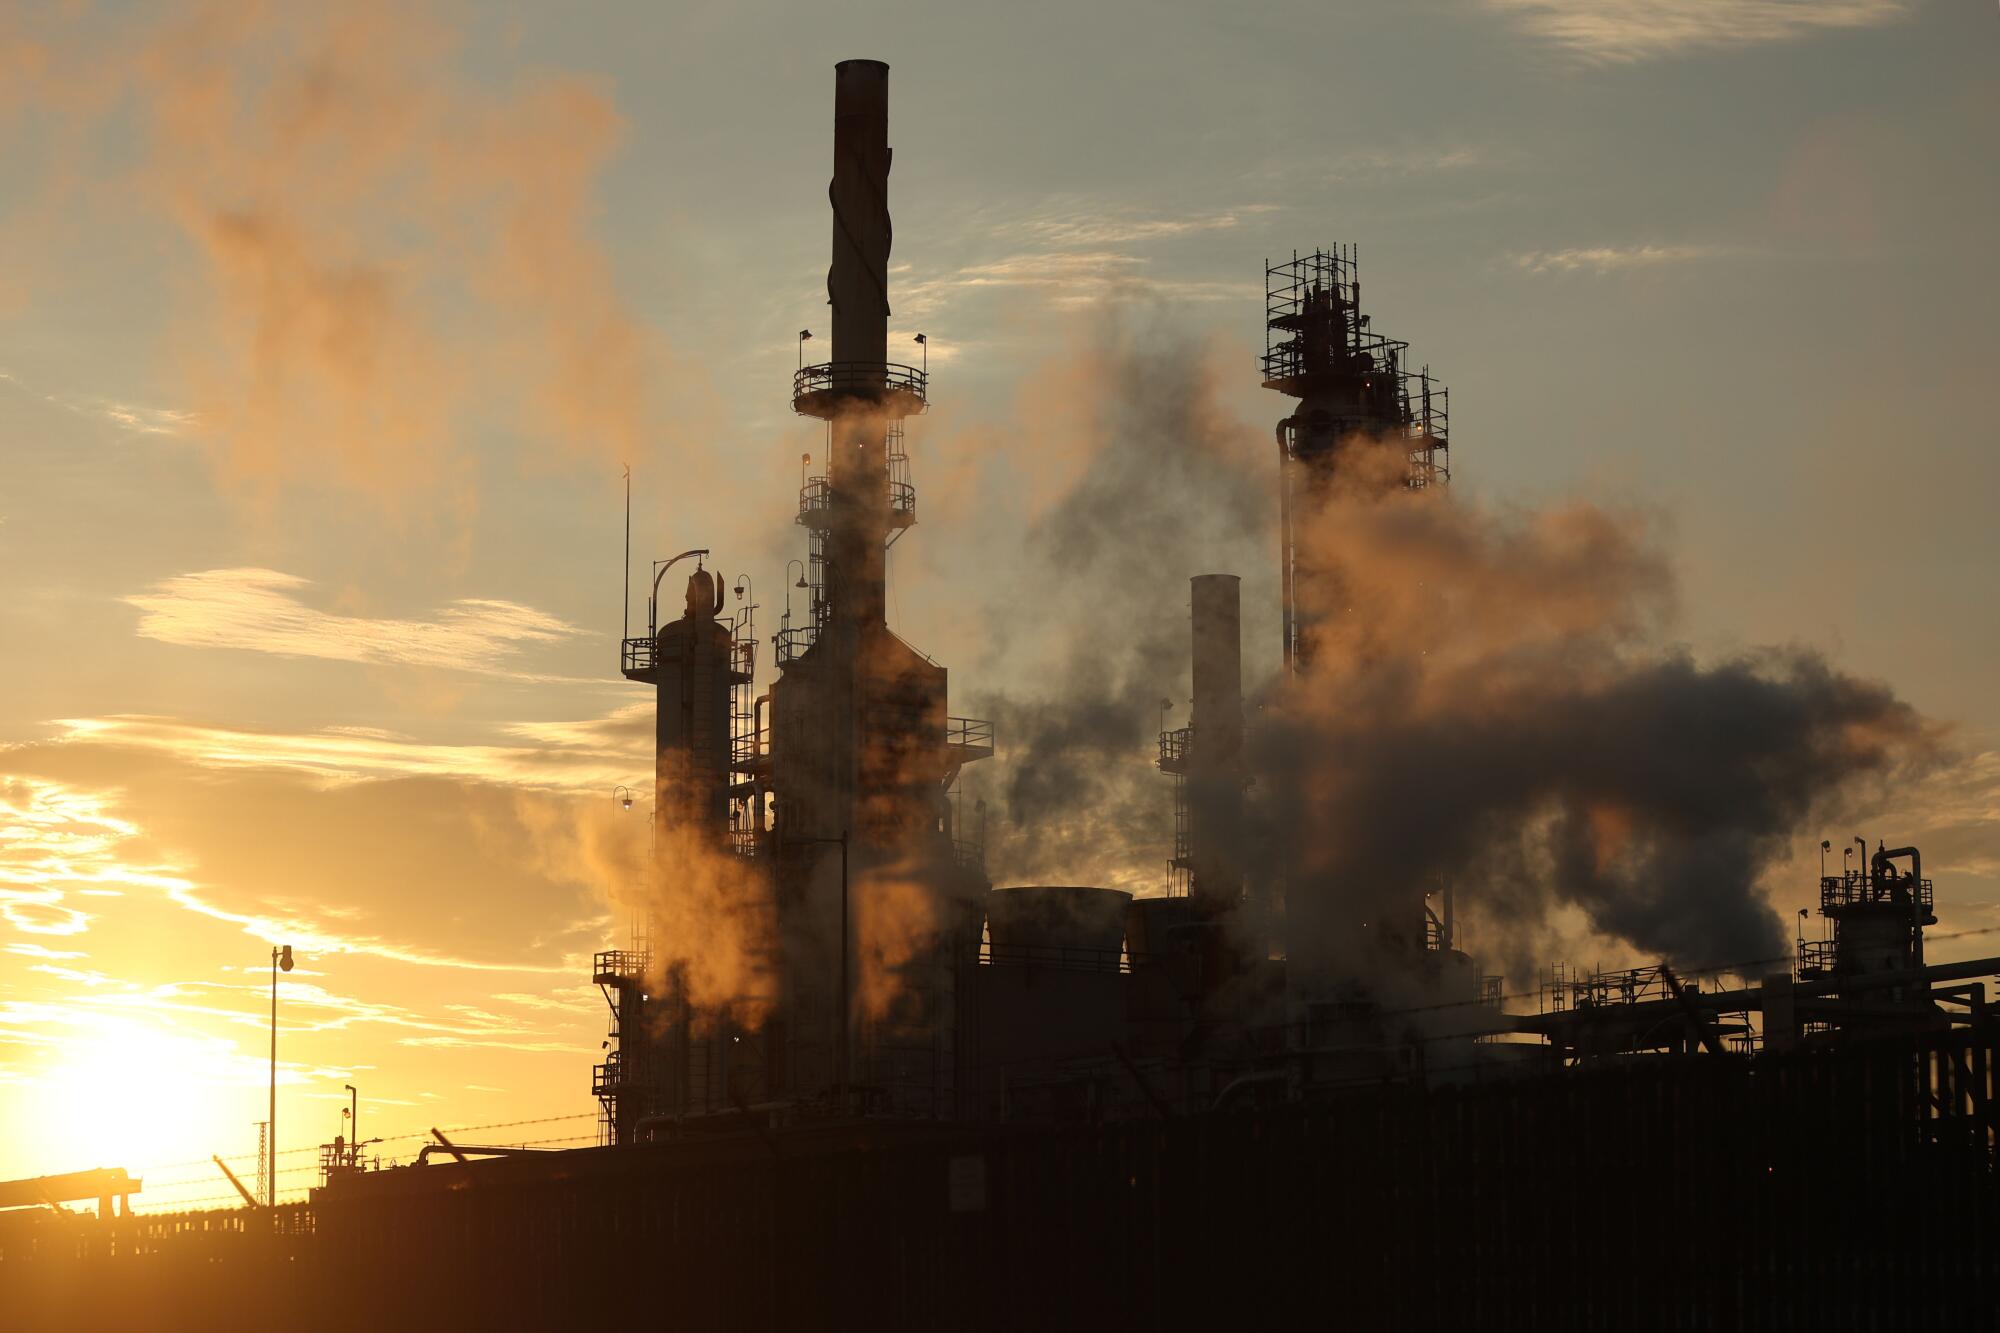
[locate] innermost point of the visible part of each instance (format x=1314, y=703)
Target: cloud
x=1627, y=31
x=1068, y=279
x=591, y=756
x=1084, y=227
x=41, y=951
x=383, y=244
x=1604, y=259
x=55, y=839
x=258, y=609
x=132, y=418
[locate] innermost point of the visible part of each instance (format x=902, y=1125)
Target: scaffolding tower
x=1351, y=384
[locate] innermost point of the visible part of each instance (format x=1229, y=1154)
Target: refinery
x=844, y=1070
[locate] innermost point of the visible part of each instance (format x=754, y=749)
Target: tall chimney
x=857, y=283
x=1215, y=751
x=857, y=287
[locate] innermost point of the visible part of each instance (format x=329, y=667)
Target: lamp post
x=622, y=795
x=281, y=959
x=790, y=585
x=925, y=343
x=805, y=336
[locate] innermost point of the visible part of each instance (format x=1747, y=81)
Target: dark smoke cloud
x=1493, y=706
x=1497, y=702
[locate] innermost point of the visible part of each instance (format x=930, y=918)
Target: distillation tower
x=814, y=820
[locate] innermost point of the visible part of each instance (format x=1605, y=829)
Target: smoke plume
x=1164, y=484
x=1495, y=703
x=385, y=248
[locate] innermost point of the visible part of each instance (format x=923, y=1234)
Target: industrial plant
x=846, y=1072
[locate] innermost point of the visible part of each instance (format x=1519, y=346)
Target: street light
x=805, y=336
x=925, y=343
x=281, y=959
x=622, y=795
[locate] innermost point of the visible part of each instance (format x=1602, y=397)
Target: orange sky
x=324, y=339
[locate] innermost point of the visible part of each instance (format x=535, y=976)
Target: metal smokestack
x=857, y=282
x=857, y=287
x=1215, y=750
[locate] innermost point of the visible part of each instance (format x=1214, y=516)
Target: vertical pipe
x=1285, y=548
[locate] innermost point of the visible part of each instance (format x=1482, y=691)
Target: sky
x=326, y=334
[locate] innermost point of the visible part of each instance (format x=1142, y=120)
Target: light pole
x=804, y=336
x=281, y=959
x=789, y=586
x=925, y=343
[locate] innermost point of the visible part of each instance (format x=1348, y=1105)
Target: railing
x=794, y=641
x=813, y=385
x=1816, y=957
x=971, y=734
x=1174, y=749
x=1599, y=990
x=1068, y=957
x=1855, y=888
x=816, y=503
x=969, y=853
x=640, y=655
x=616, y=965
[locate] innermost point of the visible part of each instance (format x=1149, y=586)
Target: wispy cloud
x=1067, y=279
x=261, y=610
x=41, y=951
x=130, y=417
x=1602, y=259
x=1089, y=227
x=593, y=755
x=55, y=840
x=1625, y=31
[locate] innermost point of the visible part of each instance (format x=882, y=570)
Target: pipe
x=653, y=598
x=250, y=1200
x=1285, y=546
x=1883, y=858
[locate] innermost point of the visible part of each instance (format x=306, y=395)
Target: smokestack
x=853, y=392
x=1215, y=750
x=857, y=283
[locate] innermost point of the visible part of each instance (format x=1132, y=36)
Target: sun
x=130, y=1092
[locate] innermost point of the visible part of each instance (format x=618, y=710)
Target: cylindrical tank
x=692, y=675
x=1050, y=920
